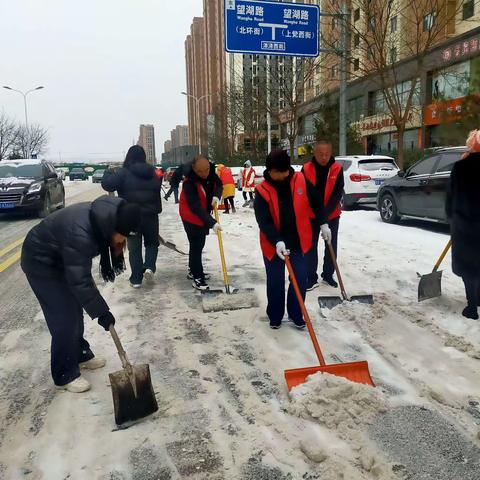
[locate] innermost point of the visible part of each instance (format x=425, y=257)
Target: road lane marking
x=10, y=247
x=10, y=261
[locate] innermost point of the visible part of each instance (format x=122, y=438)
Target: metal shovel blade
x=127, y=405
x=330, y=301
x=237, y=299
x=430, y=286
x=354, y=371
x=171, y=245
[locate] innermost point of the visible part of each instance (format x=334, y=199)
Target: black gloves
x=106, y=320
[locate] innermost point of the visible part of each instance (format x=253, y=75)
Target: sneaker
x=470, y=312
x=300, y=325
x=275, y=327
x=246, y=204
x=79, y=385
x=135, y=285
x=149, y=276
x=165, y=198
x=313, y=286
x=234, y=210
x=93, y=363
x=330, y=281
x=206, y=276
x=200, y=284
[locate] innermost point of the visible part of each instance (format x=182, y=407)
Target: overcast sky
x=107, y=66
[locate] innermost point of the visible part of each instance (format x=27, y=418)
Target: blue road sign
x=271, y=28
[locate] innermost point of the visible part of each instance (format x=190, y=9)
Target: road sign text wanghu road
x=271, y=28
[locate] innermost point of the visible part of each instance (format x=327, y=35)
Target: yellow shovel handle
x=442, y=256
x=222, y=252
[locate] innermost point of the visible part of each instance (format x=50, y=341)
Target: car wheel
x=388, y=210
x=45, y=210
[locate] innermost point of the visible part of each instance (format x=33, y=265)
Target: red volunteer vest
x=226, y=176
x=303, y=213
x=248, y=178
x=185, y=213
x=334, y=171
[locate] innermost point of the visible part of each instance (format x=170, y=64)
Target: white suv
x=364, y=174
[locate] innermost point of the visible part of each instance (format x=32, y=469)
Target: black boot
x=470, y=312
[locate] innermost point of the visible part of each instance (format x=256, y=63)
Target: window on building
x=393, y=24
x=468, y=9
x=356, y=40
x=393, y=55
x=317, y=90
x=370, y=52
x=429, y=21
x=334, y=71
x=354, y=109
x=452, y=82
x=378, y=103
x=356, y=64
x=402, y=92
x=372, y=23
x=356, y=15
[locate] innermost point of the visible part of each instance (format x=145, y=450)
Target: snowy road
x=225, y=412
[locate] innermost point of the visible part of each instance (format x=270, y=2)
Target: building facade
x=146, y=140
x=179, y=136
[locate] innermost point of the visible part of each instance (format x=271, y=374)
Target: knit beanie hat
x=128, y=219
x=278, y=160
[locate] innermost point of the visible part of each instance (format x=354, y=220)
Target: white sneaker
x=79, y=385
x=93, y=363
x=149, y=276
x=135, y=285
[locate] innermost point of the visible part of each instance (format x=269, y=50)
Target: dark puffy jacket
x=177, y=176
x=138, y=184
x=63, y=245
x=463, y=211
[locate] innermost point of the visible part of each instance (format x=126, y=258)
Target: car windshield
x=377, y=164
x=20, y=171
x=99, y=172
x=76, y=170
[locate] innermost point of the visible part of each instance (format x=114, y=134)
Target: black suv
x=421, y=190
x=77, y=174
x=30, y=185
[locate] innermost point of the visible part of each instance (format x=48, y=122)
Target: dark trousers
x=328, y=267
x=276, y=288
x=472, y=290
x=227, y=201
x=64, y=317
x=148, y=232
x=245, y=195
x=196, y=238
x=173, y=190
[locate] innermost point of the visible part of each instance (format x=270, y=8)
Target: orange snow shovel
x=354, y=371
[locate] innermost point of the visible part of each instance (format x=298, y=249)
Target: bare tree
x=8, y=135
x=382, y=34
x=31, y=141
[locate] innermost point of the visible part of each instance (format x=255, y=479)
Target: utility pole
x=342, y=148
x=269, y=117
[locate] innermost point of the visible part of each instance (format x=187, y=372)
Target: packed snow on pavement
x=224, y=409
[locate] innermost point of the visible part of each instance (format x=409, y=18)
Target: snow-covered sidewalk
x=225, y=412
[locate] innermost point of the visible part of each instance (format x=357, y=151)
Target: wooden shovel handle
x=121, y=352
x=311, y=331
x=222, y=252
x=442, y=256
x=337, y=270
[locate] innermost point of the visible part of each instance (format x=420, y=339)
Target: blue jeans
x=148, y=232
x=276, y=288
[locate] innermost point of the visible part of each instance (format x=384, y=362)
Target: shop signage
x=439, y=112
x=384, y=123
x=461, y=49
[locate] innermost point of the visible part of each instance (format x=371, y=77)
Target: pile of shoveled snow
x=345, y=409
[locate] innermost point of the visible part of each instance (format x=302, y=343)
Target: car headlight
x=35, y=187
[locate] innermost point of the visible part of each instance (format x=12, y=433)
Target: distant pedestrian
x=57, y=260
x=248, y=183
x=326, y=175
x=175, y=180
x=228, y=183
x=463, y=211
x=137, y=182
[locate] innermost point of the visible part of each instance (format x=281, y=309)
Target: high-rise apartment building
x=167, y=146
x=179, y=136
x=146, y=139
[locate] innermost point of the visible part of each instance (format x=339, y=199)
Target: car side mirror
x=51, y=175
x=402, y=173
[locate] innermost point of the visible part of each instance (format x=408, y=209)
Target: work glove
x=106, y=320
x=326, y=232
x=282, y=250
x=217, y=228
x=215, y=201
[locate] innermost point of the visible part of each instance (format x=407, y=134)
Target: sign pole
x=342, y=148
x=269, y=117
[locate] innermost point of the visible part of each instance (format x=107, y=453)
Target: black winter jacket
x=63, y=245
x=138, y=184
x=177, y=177
x=463, y=211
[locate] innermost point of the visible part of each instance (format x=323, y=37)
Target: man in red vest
x=284, y=208
x=201, y=190
x=326, y=176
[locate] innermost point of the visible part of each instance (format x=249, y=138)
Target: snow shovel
x=354, y=371
x=170, y=245
x=334, y=300
x=132, y=390
x=230, y=298
x=430, y=285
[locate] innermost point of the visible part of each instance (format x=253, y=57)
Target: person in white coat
x=248, y=183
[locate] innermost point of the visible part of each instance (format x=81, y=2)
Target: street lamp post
x=197, y=115
x=24, y=94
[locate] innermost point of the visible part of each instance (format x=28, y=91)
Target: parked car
x=364, y=175
x=78, y=174
x=421, y=190
x=30, y=185
x=98, y=175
